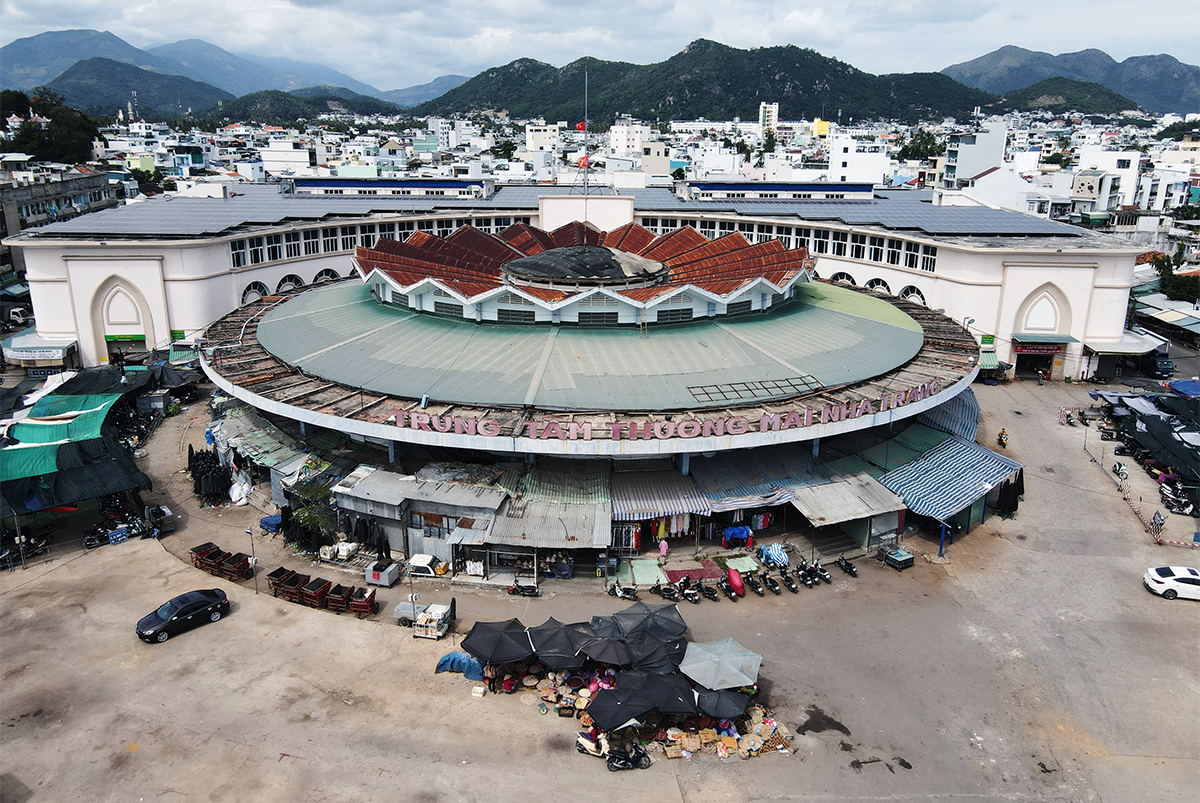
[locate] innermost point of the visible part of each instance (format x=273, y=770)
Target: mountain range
x=37, y=60
x=710, y=80
x=1158, y=84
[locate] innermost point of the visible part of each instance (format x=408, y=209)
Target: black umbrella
x=612, y=709
x=651, y=655
x=659, y=621
x=498, y=642
x=606, y=626
x=554, y=645
x=608, y=650
x=580, y=633
x=670, y=693
x=722, y=703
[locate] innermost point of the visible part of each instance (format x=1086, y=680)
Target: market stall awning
x=29, y=345
x=958, y=416
x=638, y=495
x=547, y=525
x=58, y=418
x=988, y=361
x=846, y=499
x=949, y=478
x=1042, y=337
x=753, y=478
x=1129, y=343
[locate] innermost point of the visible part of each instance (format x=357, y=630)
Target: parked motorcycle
x=726, y=588
x=688, y=591
x=1120, y=470
x=846, y=566
x=708, y=592
x=771, y=583
x=804, y=574
x=788, y=582
x=821, y=571
x=667, y=592
x=1070, y=419
x=754, y=584
x=635, y=758
x=524, y=590
x=623, y=592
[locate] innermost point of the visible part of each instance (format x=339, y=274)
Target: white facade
x=768, y=116
x=626, y=138
x=969, y=154
x=857, y=162
x=542, y=137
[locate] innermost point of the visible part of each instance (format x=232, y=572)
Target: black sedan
x=183, y=613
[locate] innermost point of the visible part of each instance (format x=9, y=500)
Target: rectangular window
x=746, y=228
x=446, y=308
x=763, y=233
x=484, y=224
x=257, y=252
x=821, y=241
x=893, y=251
x=366, y=235
x=598, y=300
x=674, y=315
x=725, y=226
x=685, y=223
x=669, y=224
x=291, y=242
x=387, y=231
x=349, y=238
x=1122, y=164
x=237, y=252
x=839, y=243
x=425, y=225
x=404, y=231
x=803, y=237
x=515, y=315
x=445, y=228
x=312, y=242
x=651, y=223
x=928, y=257
x=502, y=223
x=858, y=246
x=329, y=240
x=911, y=252
x=440, y=293
x=708, y=228
x=875, y=249
x=274, y=247
x=598, y=318
x=738, y=307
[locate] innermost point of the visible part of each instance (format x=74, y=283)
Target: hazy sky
x=397, y=44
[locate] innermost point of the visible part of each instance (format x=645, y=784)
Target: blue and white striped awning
x=639, y=495
x=958, y=416
x=949, y=478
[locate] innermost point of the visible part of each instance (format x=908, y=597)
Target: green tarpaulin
x=75, y=418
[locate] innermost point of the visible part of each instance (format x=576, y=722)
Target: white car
x=1170, y=582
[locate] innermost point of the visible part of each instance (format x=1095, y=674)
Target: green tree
x=769, y=142
x=66, y=138
x=678, y=174
x=313, y=510
x=1176, y=288
x=1055, y=159
x=504, y=150
x=922, y=145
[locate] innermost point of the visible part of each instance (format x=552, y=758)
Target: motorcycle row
x=1174, y=494
x=734, y=584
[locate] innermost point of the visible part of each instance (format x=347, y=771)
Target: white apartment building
x=627, y=138
x=969, y=154
x=541, y=137
x=858, y=162
x=288, y=156
x=768, y=117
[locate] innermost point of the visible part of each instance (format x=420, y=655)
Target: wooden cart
x=199, y=551
x=275, y=579
x=292, y=589
x=211, y=561
x=362, y=602
x=314, y=592
x=338, y=599
x=237, y=567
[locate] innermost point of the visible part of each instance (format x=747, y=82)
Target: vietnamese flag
x=583, y=161
x=581, y=126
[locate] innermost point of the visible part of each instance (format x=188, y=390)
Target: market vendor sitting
x=734, y=535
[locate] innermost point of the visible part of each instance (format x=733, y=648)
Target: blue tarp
x=460, y=662
x=1185, y=387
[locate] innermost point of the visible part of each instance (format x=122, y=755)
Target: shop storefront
x=1038, y=352
x=40, y=356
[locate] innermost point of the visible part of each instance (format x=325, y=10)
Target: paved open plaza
x=1031, y=665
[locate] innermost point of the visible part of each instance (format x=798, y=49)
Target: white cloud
x=390, y=47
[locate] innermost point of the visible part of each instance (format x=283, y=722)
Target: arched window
x=326, y=275
x=914, y=295
x=289, y=282
x=880, y=285
x=254, y=291
x=842, y=277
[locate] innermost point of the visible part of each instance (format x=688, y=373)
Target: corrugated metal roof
x=255, y=437
x=391, y=488
x=846, y=499
x=753, y=477
x=950, y=478
x=567, y=482
x=850, y=464
x=638, y=495
x=547, y=525
x=471, y=532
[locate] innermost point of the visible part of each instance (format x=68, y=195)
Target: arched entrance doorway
x=121, y=323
